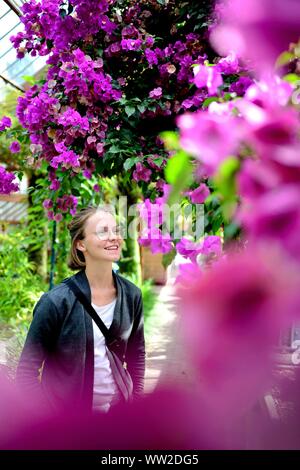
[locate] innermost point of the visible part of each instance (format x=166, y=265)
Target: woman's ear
x=80, y=245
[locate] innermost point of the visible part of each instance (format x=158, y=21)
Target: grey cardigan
x=60, y=339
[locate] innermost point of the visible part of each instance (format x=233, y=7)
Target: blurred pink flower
x=212, y=245
x=265, y=128
x=255, y=178
x=270, y=92
x=211, y=138
x=274, y=216
x=188, y=273
x=231, y=318
x=171, y=417
x=258, y=30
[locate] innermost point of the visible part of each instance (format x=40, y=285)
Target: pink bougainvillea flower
x=172, y=417
x=5, y=123
x=55, y=185
x=7, y=184
x=258, y=30
x=270, y=92
x=285, y=161
x=156, y=93
x=266, y=128
x=211, y=138
x=274, y=216
x=131, y=44
x=141, y=173
x=188, y=248
x=151, y=57
x=48, y=204
x=66, y=159
x=255, y=178
x=188, y=274
x=15, y=147
x=241, y=86
x=161, y=242
x=211, y=244
x=231, y=318
x=209, y=77
x=199, y=195
x=87, y=174
x=230, y=64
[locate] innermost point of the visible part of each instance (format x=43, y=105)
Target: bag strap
x=91, y=311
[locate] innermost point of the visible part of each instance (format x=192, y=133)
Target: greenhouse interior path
x=165, y=358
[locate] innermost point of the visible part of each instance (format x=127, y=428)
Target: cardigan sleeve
x=136, y=349
x=38, y=345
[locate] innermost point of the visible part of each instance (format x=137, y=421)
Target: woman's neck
x=99, y=277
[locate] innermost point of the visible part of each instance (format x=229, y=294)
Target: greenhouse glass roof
x=13, y=70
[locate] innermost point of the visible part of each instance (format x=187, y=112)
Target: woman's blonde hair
x=77, y=232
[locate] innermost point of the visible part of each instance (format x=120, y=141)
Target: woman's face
x=103, y=240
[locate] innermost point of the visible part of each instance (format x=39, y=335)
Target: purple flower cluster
x=141, y=173
x=67, y=159
x=5, y=123
x=210, y=246
x=6, y=182
x=71, y=119
x=64, y=204
x=48, y=26
x=15, y=147
x=95, y=57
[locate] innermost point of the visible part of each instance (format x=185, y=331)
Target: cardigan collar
x=82, y=281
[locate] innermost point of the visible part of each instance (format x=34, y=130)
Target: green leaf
x=76, y=183
x=20, y=175
x=292, y=78
x=130, y=162
x=158, y=161
x=29, y=79
x=49, y=43
x=114, y=149
x=231, y=231
x=226, y=185
x=284, y=58
x=141, y=108
x=178, y=172
x=129, y=110
x=207, y=102
x=167, y=258
x=175, y=166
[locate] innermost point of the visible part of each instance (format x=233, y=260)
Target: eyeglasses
x=103, y=232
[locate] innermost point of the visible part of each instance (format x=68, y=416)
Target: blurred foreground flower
x=232, y=317
x=258, y=30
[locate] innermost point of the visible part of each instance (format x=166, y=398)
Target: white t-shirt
x=105, y=388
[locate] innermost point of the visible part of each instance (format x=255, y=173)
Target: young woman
x=65, y=355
